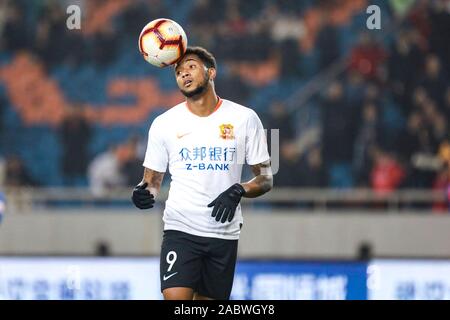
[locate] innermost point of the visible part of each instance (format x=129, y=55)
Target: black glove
x=225, y=204
x=142, y=198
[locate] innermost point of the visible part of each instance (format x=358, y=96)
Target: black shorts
x=204, y=264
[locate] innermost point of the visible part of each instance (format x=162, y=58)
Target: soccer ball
x=162, y=42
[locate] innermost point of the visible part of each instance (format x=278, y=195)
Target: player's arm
x=153, y=179
x=145, y=192
x=261, y=183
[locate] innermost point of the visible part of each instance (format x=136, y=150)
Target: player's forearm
x=261, y=183
x=258, y=186
x=153, y=179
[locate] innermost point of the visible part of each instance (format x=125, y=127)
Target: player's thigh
x=200, y=297
x=218, y=269
x=178, y=293
x=180, y=261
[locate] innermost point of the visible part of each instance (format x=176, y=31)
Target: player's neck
x=203, y=105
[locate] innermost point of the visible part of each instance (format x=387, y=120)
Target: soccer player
x=204, y=141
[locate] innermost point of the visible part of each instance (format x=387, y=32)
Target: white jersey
x=205, y=157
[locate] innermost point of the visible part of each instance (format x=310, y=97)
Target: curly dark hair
x=205, y=56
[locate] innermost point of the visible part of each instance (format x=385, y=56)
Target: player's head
x=195, y=72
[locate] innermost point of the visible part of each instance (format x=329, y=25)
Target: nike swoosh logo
x=169, y=276
x=179, y=136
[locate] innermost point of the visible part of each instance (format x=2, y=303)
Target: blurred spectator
x=432, y=124
x=440, y=129
x=286, y=30
x=290, y=166
x=206, y=18
x=251, y=38
x=312, y=174
x=51, y=42
x=283, y=27
x=403, y=63
x=419, y=97
x=442, y=183
x=278, y=117
x=206, y=13
x=433, y=80
x=337, y=126
x=250, y=9
x=15, y=35
x=132, y=168
x=291, y=59
x=409, y=141
x=355, y=88
x=139, y=13
x=419, y=19
x=372, y=94
x=328, y=45
x=444, y=152
x=387, y=173
x=232, y=86
x=415, y=147
x=367, y=56
x=75, y=134
x=366, y=141
x=17, y=174
x=104, y=46
x=234, y=22
x=439, y=18
x=104, y=172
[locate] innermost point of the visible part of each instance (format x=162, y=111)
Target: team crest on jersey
x=226, y=131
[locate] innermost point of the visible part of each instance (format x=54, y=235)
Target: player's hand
x=142, y=198
x=225, y=204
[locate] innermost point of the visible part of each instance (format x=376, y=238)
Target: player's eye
x=192, y=66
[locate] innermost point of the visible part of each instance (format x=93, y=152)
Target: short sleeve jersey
x=204, y=156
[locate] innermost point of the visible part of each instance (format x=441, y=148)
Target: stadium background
x=364, y=152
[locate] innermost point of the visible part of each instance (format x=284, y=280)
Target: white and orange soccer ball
x=162, y=42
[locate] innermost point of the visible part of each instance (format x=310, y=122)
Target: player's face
x=192, y=76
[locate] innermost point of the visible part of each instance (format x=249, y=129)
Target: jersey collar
x=219, y=103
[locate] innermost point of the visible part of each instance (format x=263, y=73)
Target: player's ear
x=212, y=73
